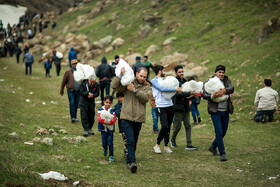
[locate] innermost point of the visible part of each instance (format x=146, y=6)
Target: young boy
x=106, y=121
x=118, y=108
x=48, y=66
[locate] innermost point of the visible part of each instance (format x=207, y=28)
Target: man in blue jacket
x=28, y=58
x=72, y=55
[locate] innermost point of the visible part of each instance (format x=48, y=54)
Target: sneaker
x=157, y=149
x=73, y=120
x=195, y=123
x=199, y=119
x=191, y=147
x=111, y=159
x=214, y=151
x=263, y=118
x=90, y=132
x=104, y=152
x=173, y=143
x=132, y=166
x=168, y=150
x=224, y=157
x=86, y=133
x=76, y=120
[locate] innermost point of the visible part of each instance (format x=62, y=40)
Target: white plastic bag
x=84, y=71
x=214, y=85
x=128, y=75
x=106, y=115
x=169, y=82
x=59, y=55
x=192, y=86
x=53, y=175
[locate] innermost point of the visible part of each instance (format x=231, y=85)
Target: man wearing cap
x=219, y=111
x=73, y=90
x=148, y=65
x=137, y=65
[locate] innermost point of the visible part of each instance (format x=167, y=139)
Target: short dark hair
x=158, y=68
x=177, y=67
x=119, y=94
x=117, y=56
x=146, y=56
x=108, y=97
x=190, y=78
x=267, y=82
x=142, y=68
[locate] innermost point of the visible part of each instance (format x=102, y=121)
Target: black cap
x=138, y=58
x=117, y=56
x=220, y=67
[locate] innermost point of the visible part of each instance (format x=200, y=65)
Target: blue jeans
x=104, y=85
x=155, y=115
x=107, y=140
x=132, y=131
x=220, y=121
x=259, y=115
x=26, y=68
x=194, y=110
x=74, y=98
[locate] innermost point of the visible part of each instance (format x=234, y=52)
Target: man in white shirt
x=165, y=108
x=266, y=101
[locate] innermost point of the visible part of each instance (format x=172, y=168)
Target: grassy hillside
x=205, y=30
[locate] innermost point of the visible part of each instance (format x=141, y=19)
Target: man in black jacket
x=181, y=105
x=89, y=90
x=219, y=111
x=105, y=72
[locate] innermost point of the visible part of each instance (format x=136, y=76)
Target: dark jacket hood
x=72, y=49
x=104, y=60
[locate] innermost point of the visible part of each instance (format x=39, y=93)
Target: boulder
x=151, y=50
x=119, y=27
x=14, y=135
x=36, y=139
x=188, y=73
x=37, y=50
x=97, y=45
x=47, y=141
x=152, y=19
x=109, y=49
x=85, y=45
x=170, y=61
x=106, y=40
x=199, y=70
x=41, y=131
x=131, y=58
x=144, y=31
x=169, y=41
x=117, y=43
x=62, y=48
x=81, y=38
x=277, y=74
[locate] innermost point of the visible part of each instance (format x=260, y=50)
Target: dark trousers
x=132, y=131
x=220, y=121
x=18, y=58
x=48, y=73
x=260, y=115
x=166, y=116
x=107, y=141
x=28, y=65
x=74, y=98
x=87, y=118
x=58, y=68
x=105, y=84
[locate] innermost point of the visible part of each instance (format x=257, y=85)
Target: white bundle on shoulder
x=59, y=55
x=128, y=75
x=84, y=71
x=106, y=115
x=192, y=86
x=214, y=85
x=169, y=82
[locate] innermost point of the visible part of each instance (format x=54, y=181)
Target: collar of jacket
x=180, y=80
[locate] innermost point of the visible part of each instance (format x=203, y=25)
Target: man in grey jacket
x=28, y=58
x=266, y=101
x=219, y=111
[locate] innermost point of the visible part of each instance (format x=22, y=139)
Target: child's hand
x=106, y=122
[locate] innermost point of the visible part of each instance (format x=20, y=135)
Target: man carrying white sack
x=182, y=110
x=133, y=113
x=219, y=111
x=165, y=108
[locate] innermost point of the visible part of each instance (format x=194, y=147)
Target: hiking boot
x=167, y=150
x=214, y=151
x=86, y=133
x=173, y=143
x=199, y=119
x=223, y=157
x=157, y=149
x=111, y=159
x=263, y=118
x=191, y=147
x=132, y=166
x=90, y=132
x=104, y=152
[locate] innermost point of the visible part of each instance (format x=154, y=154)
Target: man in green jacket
x=148, y=65
x=133, y=113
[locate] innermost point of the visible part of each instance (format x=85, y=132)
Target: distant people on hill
x=220, y=111
x=28, y=58
x=56, y=62
x=105, y=72
x=18, y=51
x=48, y=67
x=71, y=56
x=137, y=65
x=266, y=101
x=148, y=65
x=73, y=90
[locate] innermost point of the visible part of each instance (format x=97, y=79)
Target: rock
x=13, y=135
x=205, y=62
x=85, y=45
x=277, y=74
x=171, y=27
x=37, y=50
x=21, y=125
x=42, y=131
x=117, y=43
x=47, y=141
x=36, y=139
x=106, y=40
x=63, y=131
x=144, y=31
x=97, y=45
x=113, y=17
x=109, y=49
x=66, y=29
x=119, y=27
x=169, y=41
x=81, y=38
x=270, y=27
x=152, y=19
x=131, y=58
x=188, y=73
x=199, y=70
x=62, y=48
x=81, y=19
x=12, y=86
x=80, y=139
x=170, y=61
x=155, y=31
x=95, y=11
x=151, y=50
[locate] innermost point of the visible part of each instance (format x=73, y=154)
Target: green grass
x=246, y=141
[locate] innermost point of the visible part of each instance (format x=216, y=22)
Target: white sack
x=84, y=71
x=169, y=82
x=53, y=175
x=128, y=75
x=214, y=85
x=192, y=86
x=59, y=55
x=106, y=115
